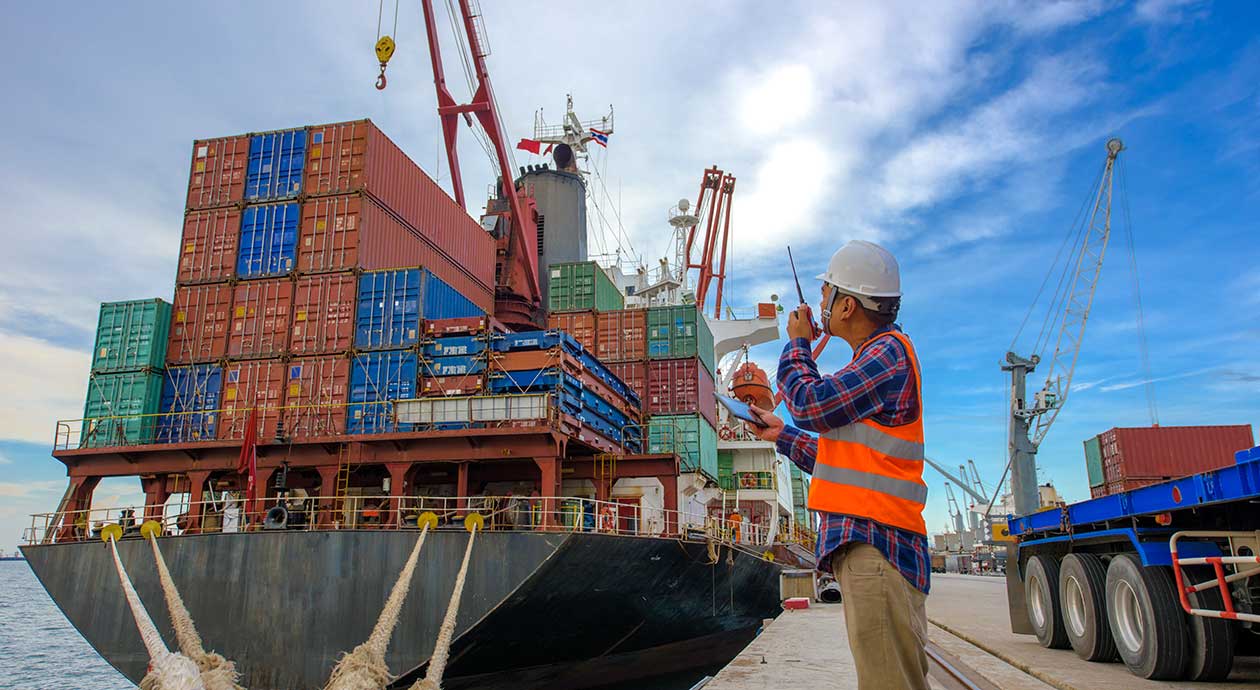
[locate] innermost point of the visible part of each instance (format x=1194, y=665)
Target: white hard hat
x=864, y=268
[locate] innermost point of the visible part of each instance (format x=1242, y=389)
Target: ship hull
x=562, y=610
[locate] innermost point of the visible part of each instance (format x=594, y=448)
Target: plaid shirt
x=879, y=385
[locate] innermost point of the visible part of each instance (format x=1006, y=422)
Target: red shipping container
x=1170, y=451
x=351, y=231
x=247, y=385
x=315, y=396
x=355, y=156
x=200, y=318
x=261, y=315
x=323, y=314
x=579, y=324
x=621, y=336
x=680, y=386
x=467, y=325
x=1122, y=485
x=208, y=250
x=468, y=384
x=217, y=174
x=633, y=374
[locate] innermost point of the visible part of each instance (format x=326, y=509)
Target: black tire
x=1213, y=641
x=1083, y=600
x=1041, y=595
x=1146, y=619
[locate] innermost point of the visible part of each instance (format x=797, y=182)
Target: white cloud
x=41, y=383
x=30, y=489
x=1166, y=11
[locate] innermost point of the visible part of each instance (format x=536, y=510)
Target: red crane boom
x=717, y=190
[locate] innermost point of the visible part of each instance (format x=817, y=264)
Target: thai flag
x=599, y=137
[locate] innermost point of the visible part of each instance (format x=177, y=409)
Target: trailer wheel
x=1212, y=640
x=1146, y=619
x=1041, y=594
x=1083, y=598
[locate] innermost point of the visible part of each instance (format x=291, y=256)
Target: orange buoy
x=751, y=385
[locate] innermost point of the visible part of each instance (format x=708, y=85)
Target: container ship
x=388, y=361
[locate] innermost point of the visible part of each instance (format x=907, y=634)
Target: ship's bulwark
x=547, y=610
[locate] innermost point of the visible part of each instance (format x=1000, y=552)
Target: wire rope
x=1137, y=298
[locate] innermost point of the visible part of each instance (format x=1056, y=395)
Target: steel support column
x=669, y=484
x=397, y=489
x=78, y=501
x=549, y=487
x=156, y=492
x=324, y=510
x=196, y=492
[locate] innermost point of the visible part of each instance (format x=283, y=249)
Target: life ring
x=727, y=433
x=747, y=480
x=607, y=519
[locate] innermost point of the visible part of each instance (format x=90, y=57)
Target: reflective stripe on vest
x=874, y=471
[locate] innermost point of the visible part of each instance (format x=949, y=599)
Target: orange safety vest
x=869, y=470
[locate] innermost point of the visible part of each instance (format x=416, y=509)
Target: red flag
x=549, y=147
x=530, y=145
x=248, y=462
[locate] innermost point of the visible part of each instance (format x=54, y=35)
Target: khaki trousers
x=886, y=618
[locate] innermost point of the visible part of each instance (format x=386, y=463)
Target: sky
x=963, y=136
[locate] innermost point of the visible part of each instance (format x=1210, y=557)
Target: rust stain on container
x=207, y=251
x=217, y=172
x=323, y=314
x=199, y=323
x=261, y=312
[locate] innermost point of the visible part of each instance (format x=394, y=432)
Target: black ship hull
x=555, y=610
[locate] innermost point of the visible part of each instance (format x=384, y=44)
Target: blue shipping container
x=375, y=379
x=275, y=165
x=393, y=303
x=269, y=237
x=537, y=340
x=455, y=365
x=454, y=345
x=190, y=401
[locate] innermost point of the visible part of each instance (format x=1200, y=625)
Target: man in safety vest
x=866, y=462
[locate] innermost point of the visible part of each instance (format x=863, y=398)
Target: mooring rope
x=217, y=673
x=442, y=647
x=365, y=667
x=168, y=671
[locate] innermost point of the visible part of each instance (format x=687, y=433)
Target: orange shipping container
x=217, y=174
x=1169, y=451
x=255, y=384
x=621, y=336
x=208, y=251
x=261, y=311
x=323, y=314
x=199, y=323
x=315, y=396
x=579, y=324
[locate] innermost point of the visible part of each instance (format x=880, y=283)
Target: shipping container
x=268, y=243
x=256, y=384
x=217, y=176
x=276, y=160
x=120, y=408
x=680, y=386
x=131, y=335
x=435, y=413
x=634, y=374
x=1170, y=451
x=200, y=319
x=349, y=157
x=1121, y=485
x=190, y=404
x=208, y=247
x=1093, y=462
x=392, y=305
x=323, y=314
x=463, y=326
x=582, y=286
x=315, y=397
x=454, y=365
x=688, y=436
x=579, y=324
x=451, y=345
x=377, y=379
x=679, y=331
x=262, y=312
x=464, y=384
x=621, y=335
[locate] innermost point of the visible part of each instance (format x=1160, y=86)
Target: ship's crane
x=955, y=513
x=713, y=205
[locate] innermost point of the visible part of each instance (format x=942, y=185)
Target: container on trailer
x=315, y=396
x=217, y=174
x=275, y=166
x=120, y=408
x=1093, y=462
x=131, y=335
x=323, y=314
x=679, y=386
x=190, y=403
x=200, y=318
x=377, y=379
x=1121, y=485
x=393, y=304
x=581, y=286
x=268, y=242
x=579, y=324
x=1170, y=451
x=621, y=335
x=356, y=156
x=690, y=436
x=207, y=251
x=262, y=311
x=675, y=332
x=254, y=384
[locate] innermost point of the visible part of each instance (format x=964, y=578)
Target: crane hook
x=380, y=81
x=384, y=51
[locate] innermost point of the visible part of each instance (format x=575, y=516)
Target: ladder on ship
x=341, y=490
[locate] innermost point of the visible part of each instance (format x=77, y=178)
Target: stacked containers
x=1137, y=457
x=581, y=286
x=125, y=385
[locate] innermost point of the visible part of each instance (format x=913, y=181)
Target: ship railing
x=295, y=511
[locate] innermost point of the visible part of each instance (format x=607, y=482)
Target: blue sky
x=963, y=136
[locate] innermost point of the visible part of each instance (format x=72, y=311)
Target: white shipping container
x=511, y=407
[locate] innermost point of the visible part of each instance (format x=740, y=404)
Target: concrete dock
x=967, y=623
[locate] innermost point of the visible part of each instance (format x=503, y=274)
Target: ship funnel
x=563, y=156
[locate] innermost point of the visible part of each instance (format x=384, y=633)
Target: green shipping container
x=1093, y=462
x=582, y=286
x=690, y=436
x=114, y=403
x=131, y=336
x=678, y=332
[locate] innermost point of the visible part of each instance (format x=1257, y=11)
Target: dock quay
x=968, y=630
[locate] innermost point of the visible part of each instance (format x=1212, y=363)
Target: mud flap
x=1015, y=602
